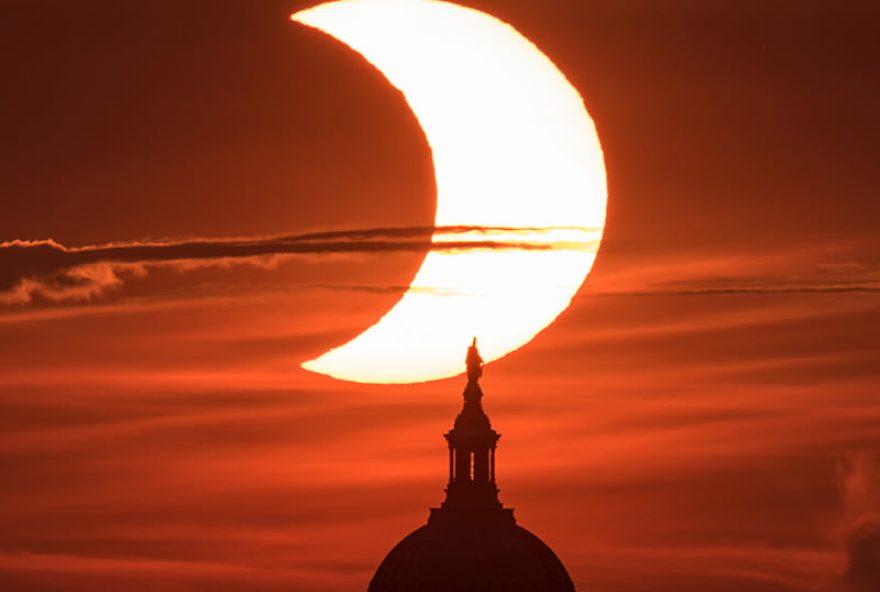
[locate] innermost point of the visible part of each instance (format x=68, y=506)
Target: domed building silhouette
x=471, y=543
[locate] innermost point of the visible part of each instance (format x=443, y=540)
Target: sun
x=513, y=146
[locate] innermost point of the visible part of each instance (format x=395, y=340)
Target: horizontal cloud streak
x=843, y=270
x=54, y=271
x=739, y=290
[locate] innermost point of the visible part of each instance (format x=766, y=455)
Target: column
x=492, y=465
x=481, y=465
x=462, y=465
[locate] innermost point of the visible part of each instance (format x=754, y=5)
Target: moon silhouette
x=513, y=146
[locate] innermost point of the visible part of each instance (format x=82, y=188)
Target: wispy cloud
x=734, y=290
x=859, y=478
x=845, y=270
x=47, y=269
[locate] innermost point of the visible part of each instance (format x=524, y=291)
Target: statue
x=474, y=363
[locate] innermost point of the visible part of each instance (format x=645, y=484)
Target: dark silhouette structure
x=471, y=543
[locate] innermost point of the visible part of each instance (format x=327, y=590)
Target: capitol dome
x=471, y=543
x=504, y=559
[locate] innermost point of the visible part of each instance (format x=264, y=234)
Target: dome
x=471, y=543
x=498, y=558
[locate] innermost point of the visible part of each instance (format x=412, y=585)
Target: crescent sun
x=514, y=147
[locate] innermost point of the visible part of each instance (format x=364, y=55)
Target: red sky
x=704, y=417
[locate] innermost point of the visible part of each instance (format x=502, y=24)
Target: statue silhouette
x=474, y=363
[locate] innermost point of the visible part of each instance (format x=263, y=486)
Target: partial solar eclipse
x=513, y=146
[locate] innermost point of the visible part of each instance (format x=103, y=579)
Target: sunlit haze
x=198, y=197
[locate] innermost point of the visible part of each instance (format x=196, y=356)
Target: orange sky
x=704, y=416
